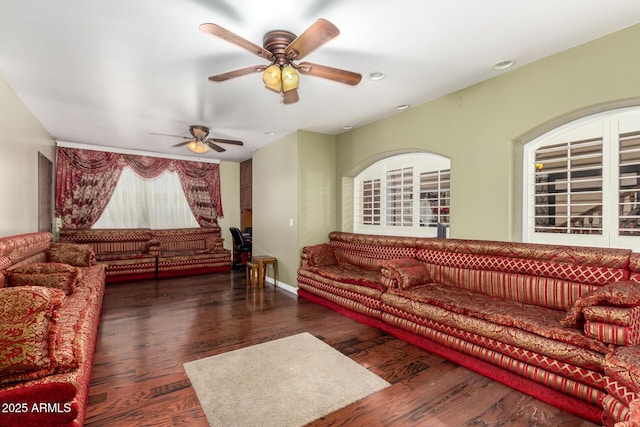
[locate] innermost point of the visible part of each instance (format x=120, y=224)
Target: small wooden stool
x=252, y=273
x=263, y=261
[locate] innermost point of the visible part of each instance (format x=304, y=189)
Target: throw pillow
x=72, y=254
x=322, y=254
x=410, y=277
x=28, y=331
x=618, y=294
x=47, y=274
x=390, y=270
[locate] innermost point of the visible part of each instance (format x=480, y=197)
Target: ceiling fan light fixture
x=198, y=147
x=290, y=78
x=272, y=77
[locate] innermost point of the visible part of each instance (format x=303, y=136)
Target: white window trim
x=421, y=162
x=608, y=125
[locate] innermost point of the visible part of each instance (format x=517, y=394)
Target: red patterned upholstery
x=500, y=305
x=545, y=275
x=65, y=380
x=142, y=253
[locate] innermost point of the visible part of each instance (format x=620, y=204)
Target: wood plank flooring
x=150, y=328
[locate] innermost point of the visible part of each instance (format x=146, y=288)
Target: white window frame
x=608, y=126
x=420, y=163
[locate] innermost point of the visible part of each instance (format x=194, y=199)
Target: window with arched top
x=407, y=194
x=582, y=182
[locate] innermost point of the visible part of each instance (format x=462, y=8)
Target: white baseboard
x=283, y=286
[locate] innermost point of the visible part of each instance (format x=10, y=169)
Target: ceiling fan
x=198, y=141
x=282, y=48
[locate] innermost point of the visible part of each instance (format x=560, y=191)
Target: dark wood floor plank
x=150, y=328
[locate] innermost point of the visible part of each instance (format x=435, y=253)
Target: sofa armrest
x=318, y=255
x=613, y=325
x=74, y=254
x=610, y=314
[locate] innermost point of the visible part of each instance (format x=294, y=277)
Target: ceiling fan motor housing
x=199, y=132
x=276, y=42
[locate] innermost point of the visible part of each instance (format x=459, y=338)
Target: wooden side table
x=251, y=273
x=264, y=261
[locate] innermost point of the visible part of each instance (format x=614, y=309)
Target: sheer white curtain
x=139, y=203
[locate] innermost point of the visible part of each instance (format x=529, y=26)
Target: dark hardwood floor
x=150, y=328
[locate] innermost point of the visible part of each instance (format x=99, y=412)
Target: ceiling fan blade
x=313, y=37
x=336, y=74
x=166, y=134
x=290, y=96
x=218, y=31
x=237, y=73
x=226, y=141
x=180, y=144
x=216, y=147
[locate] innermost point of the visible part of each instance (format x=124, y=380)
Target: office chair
x=241, y=248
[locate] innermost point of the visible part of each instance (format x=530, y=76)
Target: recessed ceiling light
x=347, y=127
x=270, y=133
x=402, y=107
x=503, y=65
x=376, y=75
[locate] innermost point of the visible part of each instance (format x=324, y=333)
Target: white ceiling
x=111, y=73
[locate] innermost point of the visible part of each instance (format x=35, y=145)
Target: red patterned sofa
x=559, y=323
x=143, y=253
x=50, y=305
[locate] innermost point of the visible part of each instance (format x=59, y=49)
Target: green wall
x=481, y=129
x=275, y=204
x=317, y=187
x=293, y=202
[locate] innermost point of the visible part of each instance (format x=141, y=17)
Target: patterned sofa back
x=366, y=250
x=132, y=240
x=109, y=241
x=206, y=239
x=22, y=249
x=552, y=276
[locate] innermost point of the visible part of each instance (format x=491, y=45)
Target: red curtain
x=86, y=179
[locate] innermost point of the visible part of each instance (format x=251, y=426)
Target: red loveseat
x=559, y=323
x=50, y=305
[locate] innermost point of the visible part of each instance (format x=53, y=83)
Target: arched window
x=582, y=182
x=407, y=194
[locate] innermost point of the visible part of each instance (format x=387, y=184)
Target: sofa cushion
x=321, y=254
x=72, y=254
x=618, y=294
x=496, y=311
x=351, y=274
x=28, y=331
x=47, y=274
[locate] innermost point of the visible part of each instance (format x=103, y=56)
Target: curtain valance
x=86, y=179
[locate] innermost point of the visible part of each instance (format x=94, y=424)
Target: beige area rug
x=286, y=382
